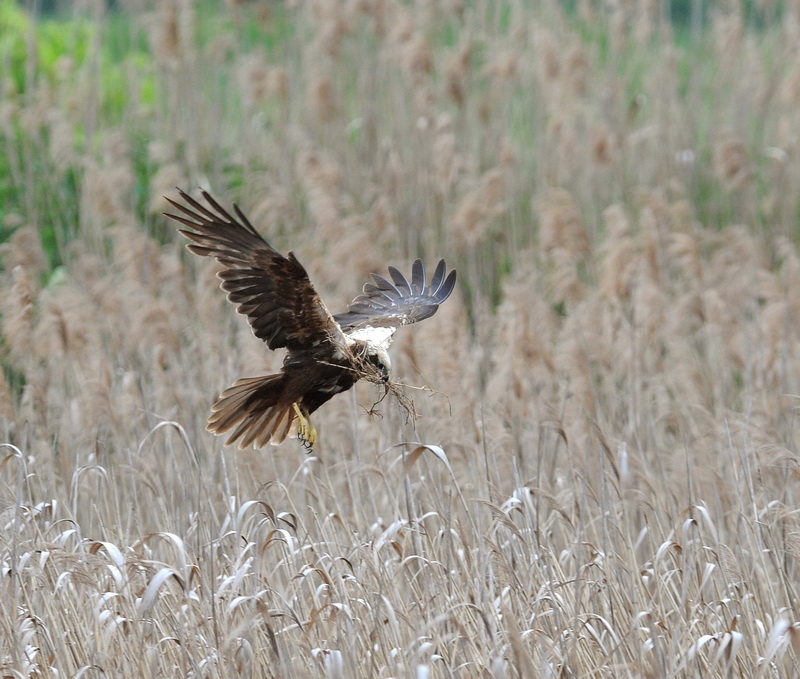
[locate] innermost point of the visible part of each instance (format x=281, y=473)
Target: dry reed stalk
x=731, y=163
x=457, y=70
x=163, y=181
x=478, y=210
x=7, y=409
x=322, y=177
x=23, y=248
x=561, y=224
x=446, y=159
x=62, y=135
x=172, y=33
x=18, y=320
x=253, y=75
x=321, y=99
x=107, y=184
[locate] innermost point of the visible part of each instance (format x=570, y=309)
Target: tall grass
x=601, y=478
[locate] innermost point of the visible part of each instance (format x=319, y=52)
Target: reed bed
x=601, y=475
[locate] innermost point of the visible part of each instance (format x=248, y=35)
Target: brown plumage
x=326, y=354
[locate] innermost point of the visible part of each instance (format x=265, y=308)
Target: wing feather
x=418, y=277
x=384, y=285
x=446, y=288
x=400, y=302
x=438, y=276
x=376, y=293
x=272, y=290
x=400, y=282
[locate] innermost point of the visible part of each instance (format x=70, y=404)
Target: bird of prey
x=326, y=354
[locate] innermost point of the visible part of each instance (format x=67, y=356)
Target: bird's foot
x=306, y=431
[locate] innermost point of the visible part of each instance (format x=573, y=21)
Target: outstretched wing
x=273, y=291
x=399, y=302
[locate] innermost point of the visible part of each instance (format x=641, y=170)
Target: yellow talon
x=306, y=431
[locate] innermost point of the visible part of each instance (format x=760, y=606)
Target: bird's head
x=379, y=357
x=373, y=345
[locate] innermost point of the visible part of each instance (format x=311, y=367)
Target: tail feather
x=286, y=426
x=232, y=405
x=254, y=409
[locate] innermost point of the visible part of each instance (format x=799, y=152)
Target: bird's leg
x=306, y=432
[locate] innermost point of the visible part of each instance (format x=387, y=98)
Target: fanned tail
x=254, y=410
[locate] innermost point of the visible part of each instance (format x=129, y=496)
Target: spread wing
x=399, y=302
x=273, y=291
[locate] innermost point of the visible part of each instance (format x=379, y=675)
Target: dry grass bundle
x=18, y=314
x=599, y=474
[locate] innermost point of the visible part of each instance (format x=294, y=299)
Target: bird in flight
x=326, y=354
